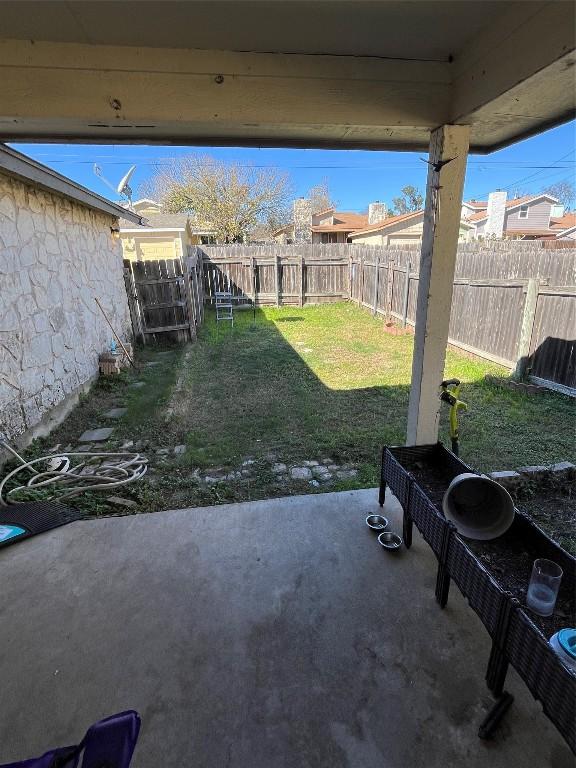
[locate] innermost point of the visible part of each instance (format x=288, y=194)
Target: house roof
x=560, y=223
x=22, y=167
x=476, y=204
x=381, y=225
x=511, y=204
x=344, y=221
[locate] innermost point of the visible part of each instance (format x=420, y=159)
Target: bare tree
x=410, y=200
x=321, y=197
x=229, y=198
x=563, y=191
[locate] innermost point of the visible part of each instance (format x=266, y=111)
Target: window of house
x=523, y=212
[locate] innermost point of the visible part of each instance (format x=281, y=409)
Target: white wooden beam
x=121, y=93
x=447, y=158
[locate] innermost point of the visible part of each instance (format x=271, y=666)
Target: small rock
x=271, y=457
x=163, y=451
x=327, y=461
x=310, y=463
x=507, y=478
x=279, y=468
x=120, y=502
x=563, y=469
x=126, y=445
x=536, y=472
x=321, y=471
x=54, y=449
x=314, y=483
x=83, y=448
x=246, y=472
x=300, y=473
x=211, y=480
x=248, y=462
x=68, y=449
x=333, y=467
x=179, y=450
x=346, y=474
x=96, y=435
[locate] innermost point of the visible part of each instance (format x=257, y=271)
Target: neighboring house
x=161, y=236
x=404, y=229
x=564, y=227
x=59, y=252
x=523, y=218
x=145, y=206
x=328, y=226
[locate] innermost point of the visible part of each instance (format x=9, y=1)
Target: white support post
x=447, y=166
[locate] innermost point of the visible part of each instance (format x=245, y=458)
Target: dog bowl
x=376, y=522
x=390, y=540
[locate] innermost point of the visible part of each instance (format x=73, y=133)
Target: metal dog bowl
x=390, y=540
x=376, y=522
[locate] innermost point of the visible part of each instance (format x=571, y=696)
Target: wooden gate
x=164, y=297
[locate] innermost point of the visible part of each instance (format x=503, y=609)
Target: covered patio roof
x=374, y=75
x=266, y=634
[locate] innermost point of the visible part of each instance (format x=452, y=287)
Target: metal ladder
x=224, y=308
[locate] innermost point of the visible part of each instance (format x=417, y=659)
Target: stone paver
x=301, y=473
x=310, y=463
x=120, y=502
x=96, y=435
x=115, y=413
x=279, y=468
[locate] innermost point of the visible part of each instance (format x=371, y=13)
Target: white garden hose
x=96, y=472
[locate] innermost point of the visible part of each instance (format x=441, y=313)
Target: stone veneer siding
x=56, y=256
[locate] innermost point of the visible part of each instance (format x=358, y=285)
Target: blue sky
x=355, y=177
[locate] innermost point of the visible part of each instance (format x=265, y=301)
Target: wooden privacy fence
x=165, y=296
x=513, y=302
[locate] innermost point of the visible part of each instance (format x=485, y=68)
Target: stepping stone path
x=96, y=435
x=301, y=473
x=115, y=413
x=137, y=385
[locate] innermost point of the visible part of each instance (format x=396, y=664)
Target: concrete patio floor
x=273, y=634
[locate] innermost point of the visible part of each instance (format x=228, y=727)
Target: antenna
x=122, y=188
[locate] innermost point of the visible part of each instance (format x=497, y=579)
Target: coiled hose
x=96, y=472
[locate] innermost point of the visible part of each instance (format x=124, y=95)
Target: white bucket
x=478, y=506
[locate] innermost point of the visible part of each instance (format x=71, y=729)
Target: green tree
x=410, y=200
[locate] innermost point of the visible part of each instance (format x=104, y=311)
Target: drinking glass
x=544, y=586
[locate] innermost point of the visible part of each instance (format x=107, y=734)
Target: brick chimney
x=496, y=213
x=377, y=212
x=302, y=220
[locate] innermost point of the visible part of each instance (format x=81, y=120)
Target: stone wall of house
x=302, y=209
x=56, y=256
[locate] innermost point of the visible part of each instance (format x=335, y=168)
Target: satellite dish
x=123, y=187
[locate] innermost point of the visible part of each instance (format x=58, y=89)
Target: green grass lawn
x=323, y=382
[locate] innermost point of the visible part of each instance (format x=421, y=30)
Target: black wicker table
x=419, y=476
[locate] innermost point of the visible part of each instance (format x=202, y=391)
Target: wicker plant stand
x=418, y=476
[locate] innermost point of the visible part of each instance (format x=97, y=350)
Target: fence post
x=406, y=295
x=133, y=305
x=302, y=267
x=188, y=298
x=376, y=281
x=361, y=296
x=523, y=353
x=389, y=287
x=277, y=265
